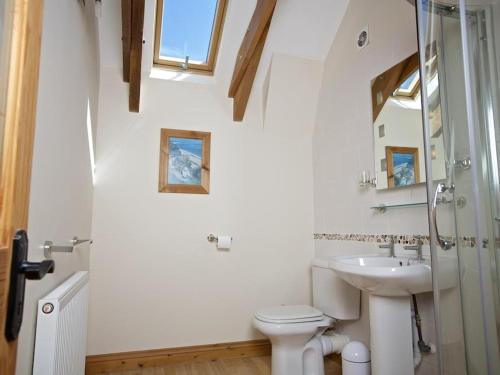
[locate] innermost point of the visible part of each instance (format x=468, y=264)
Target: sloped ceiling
x=304, y=28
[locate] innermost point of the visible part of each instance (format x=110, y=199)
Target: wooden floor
x=236, y=366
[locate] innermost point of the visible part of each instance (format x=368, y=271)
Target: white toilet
x=296, y=332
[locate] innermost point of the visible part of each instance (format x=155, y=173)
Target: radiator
x=61, y=331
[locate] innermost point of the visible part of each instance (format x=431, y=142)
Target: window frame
x=206, y=68
x=412, y=92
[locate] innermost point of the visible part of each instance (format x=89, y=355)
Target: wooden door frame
x=17, y=152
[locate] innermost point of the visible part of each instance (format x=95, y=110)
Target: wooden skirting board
x=105, y=363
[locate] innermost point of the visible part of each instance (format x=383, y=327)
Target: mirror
x=398, y=129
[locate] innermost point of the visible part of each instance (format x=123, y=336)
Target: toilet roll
x=224, y=242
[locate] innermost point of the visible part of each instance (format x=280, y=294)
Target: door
x=464, y=233
x=21, y=26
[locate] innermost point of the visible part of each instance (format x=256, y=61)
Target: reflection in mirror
x=397, y=126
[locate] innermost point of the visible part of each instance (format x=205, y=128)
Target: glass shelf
x=382, y=207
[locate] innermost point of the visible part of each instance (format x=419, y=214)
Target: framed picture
x=184, y=162
x=402, y=166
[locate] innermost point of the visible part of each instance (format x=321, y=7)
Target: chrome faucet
x=418, y=247
x=389, y=245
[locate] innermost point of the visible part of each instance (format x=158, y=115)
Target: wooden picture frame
x=184, y=162
x=403, y=167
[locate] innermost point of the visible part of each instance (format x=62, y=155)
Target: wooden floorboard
x=162, y=358
x=232, y=366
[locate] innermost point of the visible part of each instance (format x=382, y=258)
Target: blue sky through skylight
x=187, y=29
x=409, y=82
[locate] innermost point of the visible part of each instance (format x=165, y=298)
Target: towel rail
x=49, y=247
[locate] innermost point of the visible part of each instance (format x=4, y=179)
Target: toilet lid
x=289, y=314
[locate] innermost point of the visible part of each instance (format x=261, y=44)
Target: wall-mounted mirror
x=398, y=129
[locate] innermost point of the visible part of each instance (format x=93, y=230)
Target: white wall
x=156, y=281
x=343, y=138
x=61, y=184
x=153, y=246
x=343, y=144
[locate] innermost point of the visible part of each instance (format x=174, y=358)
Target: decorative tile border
x=399, y=239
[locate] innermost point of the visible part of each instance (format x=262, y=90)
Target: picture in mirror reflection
x=397, y=125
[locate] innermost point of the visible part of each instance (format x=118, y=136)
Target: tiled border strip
x=400, y=239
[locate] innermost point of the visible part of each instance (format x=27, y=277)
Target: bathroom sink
x=391, y=277
x=390, y=282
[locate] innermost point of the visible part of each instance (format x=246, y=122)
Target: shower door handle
x=441, y=188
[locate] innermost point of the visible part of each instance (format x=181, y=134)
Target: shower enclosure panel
x=462, y=40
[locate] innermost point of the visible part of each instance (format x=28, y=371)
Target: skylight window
x=410, y=86
x=188, y=30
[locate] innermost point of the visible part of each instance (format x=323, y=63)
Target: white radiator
x=61, y=331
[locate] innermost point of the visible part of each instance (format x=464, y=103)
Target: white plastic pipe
x=333, y=343
x=319, y=346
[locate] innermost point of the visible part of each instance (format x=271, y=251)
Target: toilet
x=297, y=332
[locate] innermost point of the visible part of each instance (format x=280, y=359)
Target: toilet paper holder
x=212, y=238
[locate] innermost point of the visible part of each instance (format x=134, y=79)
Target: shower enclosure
x=459, y=44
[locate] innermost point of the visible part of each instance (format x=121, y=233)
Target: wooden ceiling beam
x=258, y=25
x=126, y=28
x=386, y=83
x=136, y=32
x=412, y=64
x=245, y=87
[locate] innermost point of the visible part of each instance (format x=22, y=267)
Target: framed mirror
x=398, y=128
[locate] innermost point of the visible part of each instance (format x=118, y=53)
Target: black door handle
x=21, y=270
x=36, y=271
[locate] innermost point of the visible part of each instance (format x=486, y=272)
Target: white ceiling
x=304, y=28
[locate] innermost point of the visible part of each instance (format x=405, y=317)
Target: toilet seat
x=289, y=314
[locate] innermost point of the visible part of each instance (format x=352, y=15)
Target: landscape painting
x=184, y=161
x=403, y=169
x=402, y=166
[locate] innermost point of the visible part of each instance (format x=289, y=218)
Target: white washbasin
x=386, y=276
x=389, y=283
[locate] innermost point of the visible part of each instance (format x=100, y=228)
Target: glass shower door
x=461, y=39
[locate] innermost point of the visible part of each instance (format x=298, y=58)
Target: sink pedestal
x=391, y=335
